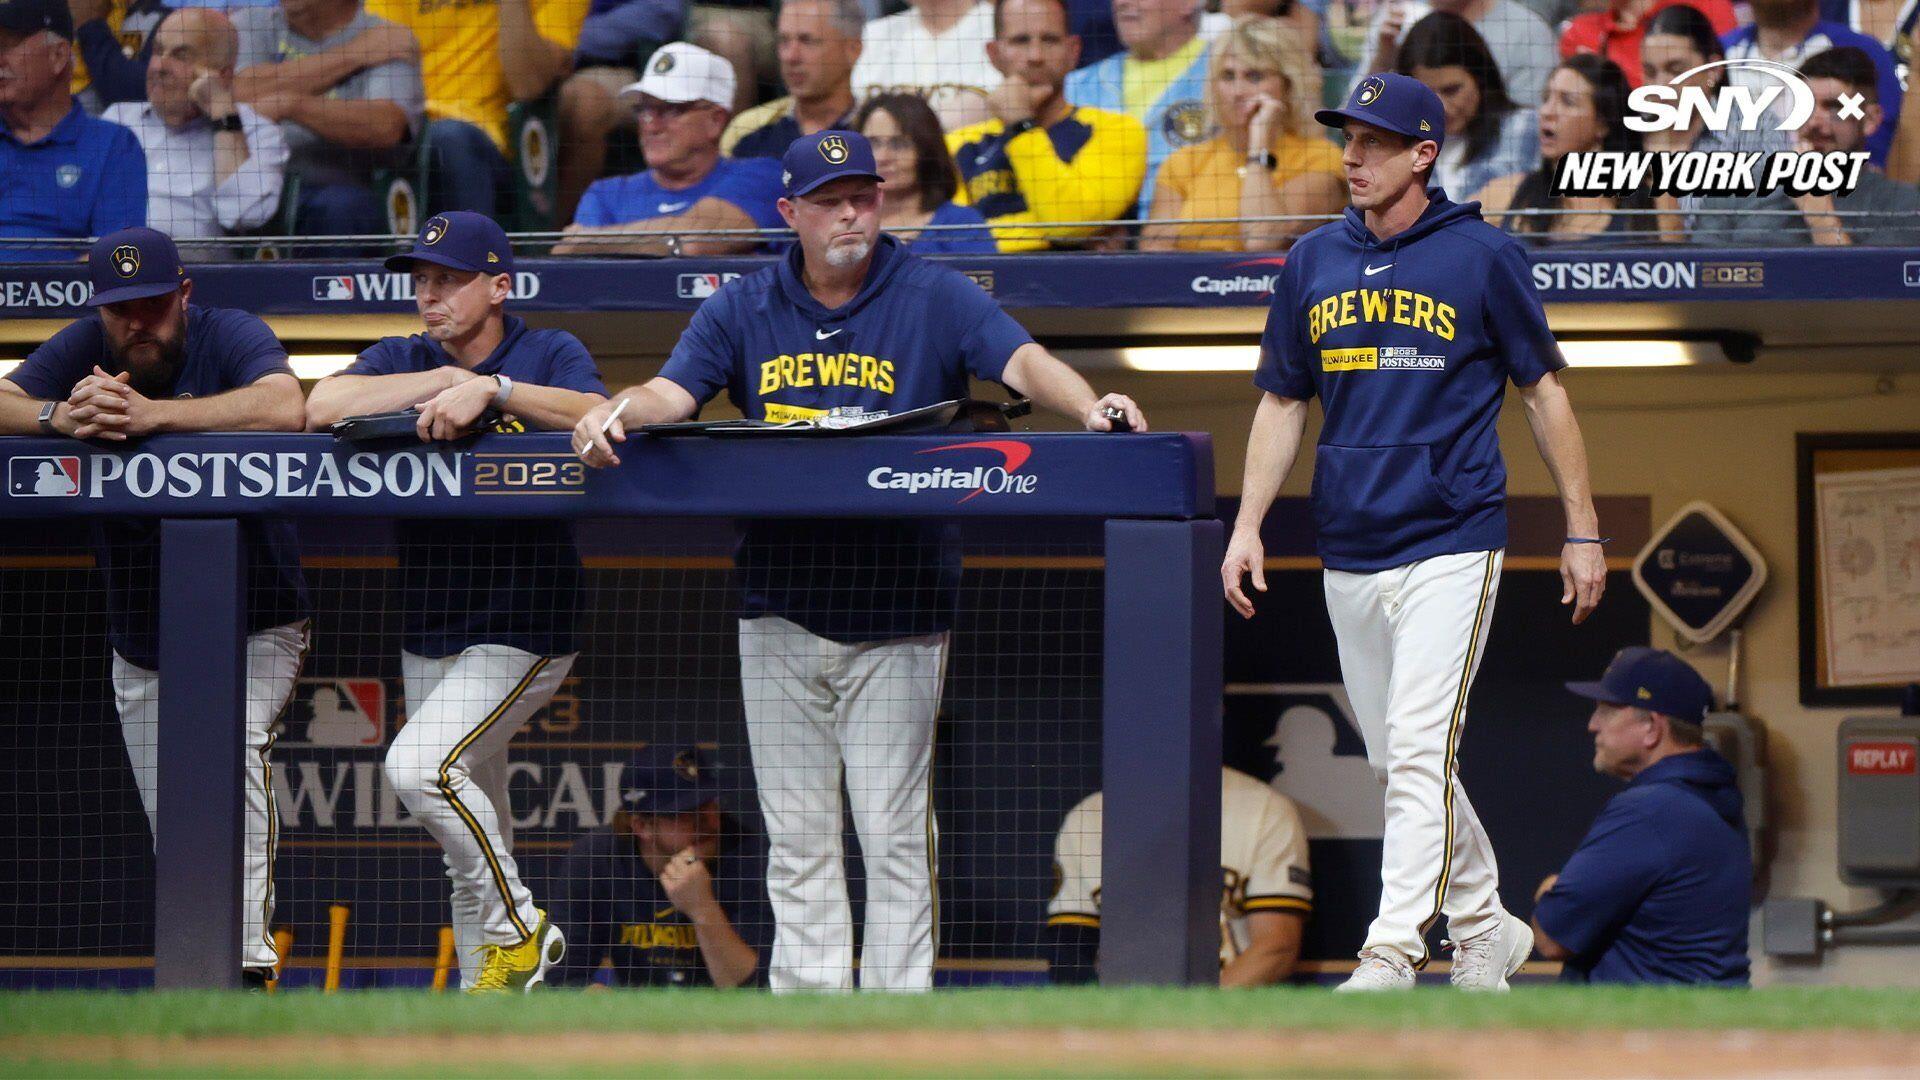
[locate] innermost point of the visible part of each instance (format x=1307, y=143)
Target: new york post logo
x=1752, y=96
x=43, y=477
x=701, y=286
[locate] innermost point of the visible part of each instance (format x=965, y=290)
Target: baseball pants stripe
x=1410, y=641
x=448, y=767
x=818, y=712
x=274, y=657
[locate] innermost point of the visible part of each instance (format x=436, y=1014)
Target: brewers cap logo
x=663, y=62
x=126, y=260
x=834, y=149
x=436, y=229
x=1371, y=90
x=687, y=766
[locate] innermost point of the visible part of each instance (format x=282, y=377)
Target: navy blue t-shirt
x=1408, y=345
x=611, y=907
x=908, y=339
x=1658, y=891
x=225, y=350
x=490, y=581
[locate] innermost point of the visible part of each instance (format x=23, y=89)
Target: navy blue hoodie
x=1408, y=344
x=1658, y=890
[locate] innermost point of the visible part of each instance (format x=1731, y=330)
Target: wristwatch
x=501, y=395
x=1265, y=159
x=230, y=123
x=46, y=418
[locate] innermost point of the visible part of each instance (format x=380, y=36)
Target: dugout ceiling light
x=1625, y=351
x=1190, y=358
x=314, y=366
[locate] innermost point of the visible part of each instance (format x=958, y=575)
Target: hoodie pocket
x=1371, y=501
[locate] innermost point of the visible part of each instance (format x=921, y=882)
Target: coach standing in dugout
x=490, y=602
x=845, y=670
x=1406, y=318
x=149, y=361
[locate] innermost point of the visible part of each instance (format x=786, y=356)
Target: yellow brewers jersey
x=460, y=53
x=1263, y=860
x=1087, y=167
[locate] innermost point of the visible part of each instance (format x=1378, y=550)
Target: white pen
x=615, y=415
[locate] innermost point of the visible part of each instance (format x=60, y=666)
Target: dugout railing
x=1161, y=640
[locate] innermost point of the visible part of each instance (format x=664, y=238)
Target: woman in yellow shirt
x=1265, y=159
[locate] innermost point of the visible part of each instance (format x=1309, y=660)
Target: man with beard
x=1790, y=32
x=149, y=361
x=488, y=634
x=1042, y=158
x=843, y=671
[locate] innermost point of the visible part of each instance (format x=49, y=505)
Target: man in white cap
x=684, y=100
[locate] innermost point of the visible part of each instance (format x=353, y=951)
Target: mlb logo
x=701, y=286
x=333, y=288
x=337, y=713
x=43, y=477
x=1912, y=272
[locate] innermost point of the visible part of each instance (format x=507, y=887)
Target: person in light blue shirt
x=63, y=173
x=1160, y=80
x=689, y=187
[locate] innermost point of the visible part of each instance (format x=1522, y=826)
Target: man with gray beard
x=845, y=624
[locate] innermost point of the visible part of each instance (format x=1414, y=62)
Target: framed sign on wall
x=1859, y=533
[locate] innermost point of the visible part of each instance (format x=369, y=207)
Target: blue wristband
x=1588, y=539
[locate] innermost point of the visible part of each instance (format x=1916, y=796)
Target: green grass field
x=1138, y=1032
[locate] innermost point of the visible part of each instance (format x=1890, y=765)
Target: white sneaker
x=1383, y=970
x=1483, y=961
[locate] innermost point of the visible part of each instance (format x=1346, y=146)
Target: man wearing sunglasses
x=683, y=102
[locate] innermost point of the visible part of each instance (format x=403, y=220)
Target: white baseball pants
x=273, y=665
x=1410, y=640
x=448, y=766
x=817, y=709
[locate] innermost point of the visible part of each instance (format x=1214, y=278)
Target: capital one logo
x=1002, y=477
x=1673, y=106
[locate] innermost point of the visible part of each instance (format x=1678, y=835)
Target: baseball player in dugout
x=1407, y=319
x=662, y=895
x=1266, y=887
x=488, y=632
x=844, y=628
x=148, y=361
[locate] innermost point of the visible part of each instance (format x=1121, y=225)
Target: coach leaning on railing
x=149, y=361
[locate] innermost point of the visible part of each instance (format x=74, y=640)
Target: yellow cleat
x=521, y=967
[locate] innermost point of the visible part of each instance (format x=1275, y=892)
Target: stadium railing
x=1161, y=643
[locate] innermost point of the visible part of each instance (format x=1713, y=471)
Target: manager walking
x=1405, y=318
x=844, y=669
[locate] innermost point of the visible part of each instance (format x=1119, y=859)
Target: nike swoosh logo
x=822, y=335
x=673, y=208
x=1372, y=270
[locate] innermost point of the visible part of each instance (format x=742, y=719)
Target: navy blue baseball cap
x=1396, y=102
x=33, y=16
x=1654, y=679
x=133, y=264
x=460, y=240
x=826, y=156
x=668, y=779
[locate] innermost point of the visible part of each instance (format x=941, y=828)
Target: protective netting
x=536, y=767
x=324, y=128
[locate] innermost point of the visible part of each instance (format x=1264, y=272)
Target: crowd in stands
x=1001, y=125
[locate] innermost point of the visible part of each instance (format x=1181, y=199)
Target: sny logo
x=1752, y=96
x=43, y=477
